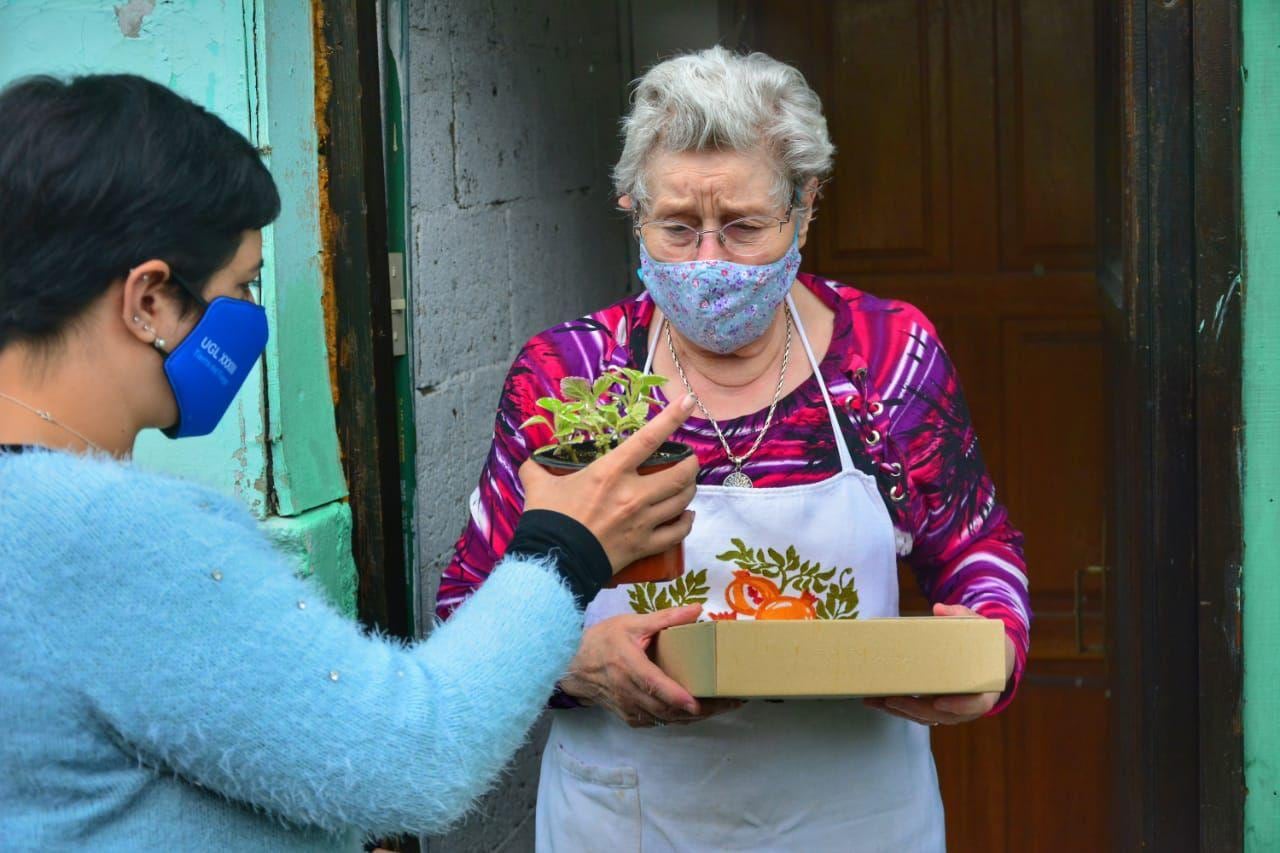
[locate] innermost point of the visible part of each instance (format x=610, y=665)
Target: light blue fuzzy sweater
x=166, y=682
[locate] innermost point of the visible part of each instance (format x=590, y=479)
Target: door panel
x=893, y=81
x=1052, y=776
x=1045, y=80
x=1053, y=368
x=964, y=184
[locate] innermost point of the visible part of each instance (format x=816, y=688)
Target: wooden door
x=964, y=183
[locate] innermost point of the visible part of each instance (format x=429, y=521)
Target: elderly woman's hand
x=633, y=515
x=946, y=710
x=612, y=669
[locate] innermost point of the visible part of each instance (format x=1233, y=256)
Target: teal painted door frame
x=1261, y=295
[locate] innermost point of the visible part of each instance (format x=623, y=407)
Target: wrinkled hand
x=946, y=710
x=632, y=515
x=612, y=669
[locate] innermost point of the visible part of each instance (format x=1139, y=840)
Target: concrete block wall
x=512, y=117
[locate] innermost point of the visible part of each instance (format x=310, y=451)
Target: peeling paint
x=129, y=16
x=328, y=222
x=1224, y=302
x=319, y=542
x=305, y=467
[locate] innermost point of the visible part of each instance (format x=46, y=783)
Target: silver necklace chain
x=738, y=477
x=47, y=417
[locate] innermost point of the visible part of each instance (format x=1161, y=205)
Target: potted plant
x=592, y=419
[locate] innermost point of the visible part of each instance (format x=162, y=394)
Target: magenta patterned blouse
x=899, y=403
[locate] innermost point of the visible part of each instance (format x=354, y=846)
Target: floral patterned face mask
x=720, y=306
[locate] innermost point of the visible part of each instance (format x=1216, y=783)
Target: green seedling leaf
x=576, y=388
x=603, y=384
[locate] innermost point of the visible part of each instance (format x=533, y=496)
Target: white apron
x=798, y=775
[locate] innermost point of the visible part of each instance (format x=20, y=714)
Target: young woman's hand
x=612, y=669
x=632, y=515
x=946, y=710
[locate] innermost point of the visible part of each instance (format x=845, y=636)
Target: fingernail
x=686, y=405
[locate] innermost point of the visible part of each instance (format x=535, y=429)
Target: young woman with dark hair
x=165, y=679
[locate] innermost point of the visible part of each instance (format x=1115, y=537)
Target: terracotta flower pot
x=666, y=566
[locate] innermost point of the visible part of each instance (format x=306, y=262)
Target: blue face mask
x=207, y=369
x=720, y=306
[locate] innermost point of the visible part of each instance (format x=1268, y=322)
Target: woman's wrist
x=563, y=700
x=578, y=555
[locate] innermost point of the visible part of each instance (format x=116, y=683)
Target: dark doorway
x=1055, y=184
x=1169, y=273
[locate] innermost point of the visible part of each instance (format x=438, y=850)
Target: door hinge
x=399, y=305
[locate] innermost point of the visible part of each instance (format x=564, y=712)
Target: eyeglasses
x=748, y=238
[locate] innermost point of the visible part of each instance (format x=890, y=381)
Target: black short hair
x=102, y=172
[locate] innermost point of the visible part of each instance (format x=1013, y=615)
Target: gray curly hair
x=716, y=99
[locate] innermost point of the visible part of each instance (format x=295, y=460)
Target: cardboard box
x=833, y=659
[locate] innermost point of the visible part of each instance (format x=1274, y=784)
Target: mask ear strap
x=191, y=291
x=161, y=345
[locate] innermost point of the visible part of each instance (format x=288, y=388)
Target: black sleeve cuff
x=578, y=555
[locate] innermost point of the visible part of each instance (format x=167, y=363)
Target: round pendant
x=739, y=480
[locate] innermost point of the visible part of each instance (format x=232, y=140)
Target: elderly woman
x=831, y=422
